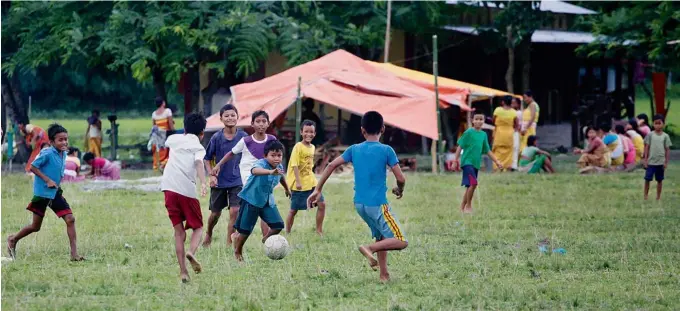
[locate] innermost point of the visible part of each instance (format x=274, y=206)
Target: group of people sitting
x=614, y=148
x=100, y=168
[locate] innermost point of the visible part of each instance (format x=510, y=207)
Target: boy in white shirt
x=179, y=186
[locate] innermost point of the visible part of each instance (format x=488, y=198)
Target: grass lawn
x=622, y=252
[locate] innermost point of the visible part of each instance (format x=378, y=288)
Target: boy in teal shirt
x=475, y=143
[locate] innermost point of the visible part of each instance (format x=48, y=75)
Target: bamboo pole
x=387, y=31
x=298, y=110
x=435, y=73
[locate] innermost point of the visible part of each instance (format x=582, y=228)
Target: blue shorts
x=655, y=171
x=298, y=199
x=381, y=220
x=469, y=176
x=248, y=214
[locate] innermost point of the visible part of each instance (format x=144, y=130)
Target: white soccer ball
x=276, y=247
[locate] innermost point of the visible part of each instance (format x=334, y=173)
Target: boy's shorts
x=181, y=208
x=248, y=214
x=655, y=171
x=224, y=197
x=469, y=176
x=381, y=220
x=59, y=205
x=298, y=199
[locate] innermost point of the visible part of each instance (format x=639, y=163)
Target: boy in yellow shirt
x=302, y=179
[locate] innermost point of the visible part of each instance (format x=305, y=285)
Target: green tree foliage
x=637, y=29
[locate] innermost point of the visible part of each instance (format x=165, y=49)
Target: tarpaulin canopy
x=347, y=82
x=446, y=85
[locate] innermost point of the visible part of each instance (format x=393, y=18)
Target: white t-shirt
x=179, y=175
x=164, y=115
x=94, y=131
x=247, y=157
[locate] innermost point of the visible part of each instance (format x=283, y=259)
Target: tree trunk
x=159, y=83
x=526, y=64
x=510, y=72
x=11, y=100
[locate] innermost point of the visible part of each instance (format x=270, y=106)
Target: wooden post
x=298, y=110
x=435, y=73
x=387, y=31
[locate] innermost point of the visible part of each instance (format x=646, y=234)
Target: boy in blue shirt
x=370, y=160
x=257, y=197
x=225, y=187
x=48, y=168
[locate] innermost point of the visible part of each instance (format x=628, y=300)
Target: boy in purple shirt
x=224, y=187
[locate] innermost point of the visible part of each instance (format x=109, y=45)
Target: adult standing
x=529, y=118
x=505, y=122
x=36, y=137
x=162, y=120
x=94, y=134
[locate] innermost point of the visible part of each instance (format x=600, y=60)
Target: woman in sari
x=102, y=169
x=529, y=118
x=505, y=122
x=595, y=154
x=162, y=120
x=636, y=137
x=517, y=105
x=36, y=137
x=534, y=159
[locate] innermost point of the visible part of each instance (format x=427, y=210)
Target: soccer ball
x=276, y=247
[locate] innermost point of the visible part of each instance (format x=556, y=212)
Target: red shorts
x=181, y=208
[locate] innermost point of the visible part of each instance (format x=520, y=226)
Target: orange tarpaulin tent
x=446, y=85
x=347, y=82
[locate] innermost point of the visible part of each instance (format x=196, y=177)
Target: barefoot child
x=302, y=179
x=370, y=159
x=657, y=153
x=224, y=187
x=474, y=143
x=48, y=168
x=179, y=187
x=257, y=197
x=251, y=148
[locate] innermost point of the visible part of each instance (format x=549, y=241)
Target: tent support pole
x=435, y=73
x=298, y=110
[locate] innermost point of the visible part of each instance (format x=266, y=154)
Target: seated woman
x=72, y=166
x=102, y=169
x=628, y=148
x=595, y=155
x=638, y=141
x=533, y=160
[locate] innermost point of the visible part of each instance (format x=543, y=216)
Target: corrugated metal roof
x=554, y=6
x=543, y=36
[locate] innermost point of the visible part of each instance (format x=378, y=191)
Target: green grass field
x=622, y=252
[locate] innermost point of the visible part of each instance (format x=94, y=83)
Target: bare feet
x=646, y=197
x=384, y=277
x=77, y=257
x=238, y=256
x=11, y=247
x=320, y=233
x=185, y=278
x=371, y=260
x=194, y=263
x=207, y=241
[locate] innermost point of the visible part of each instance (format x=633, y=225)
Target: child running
x=257, y=197
x=102, y=169
x=370, y=159
x=179, y=187
x=657, y=154
x=251, y=148
x=301, y=177
x=473, y=144
x=224, y=187
x=48, y=167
